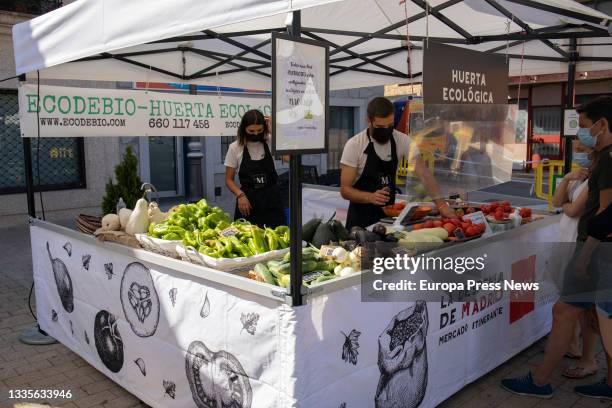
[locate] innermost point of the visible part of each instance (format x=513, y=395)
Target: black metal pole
x=27, y=164
x=569, y=101
x=295, y=200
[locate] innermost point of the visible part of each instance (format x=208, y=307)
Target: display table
x=177, y=335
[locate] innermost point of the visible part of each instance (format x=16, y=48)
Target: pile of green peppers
x=208, y=230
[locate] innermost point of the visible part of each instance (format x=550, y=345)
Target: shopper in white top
x=571, y=196
x=369, y=165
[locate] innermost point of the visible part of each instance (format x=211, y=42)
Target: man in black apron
x=259, y=182
x=367, y=179
x=378, y=177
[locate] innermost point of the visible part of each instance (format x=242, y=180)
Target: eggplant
x=380, y=230
x=349, y=245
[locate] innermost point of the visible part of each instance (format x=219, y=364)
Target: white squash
x=155, y=214
x=138, y=223
x=110, y=222
x=124, y=216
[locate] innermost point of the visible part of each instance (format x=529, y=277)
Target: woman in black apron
x=258, y=198
x=377, y=174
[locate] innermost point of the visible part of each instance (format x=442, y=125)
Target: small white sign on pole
x=300, y=95
x=570, y=122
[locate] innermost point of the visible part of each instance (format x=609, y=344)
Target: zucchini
x=264, y=273
x=280, y=270
x=326, y=265
x=308, y=266
x=324, y=278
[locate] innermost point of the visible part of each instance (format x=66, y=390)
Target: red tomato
x=465, y=226
x=449, y=227
x=494, y=206
x=482, y=227
x=455, y=222
x=437, y=224
x=485, y=208
x=473, y=230
x=428, y=224
x=499, y=215
x=417, y=226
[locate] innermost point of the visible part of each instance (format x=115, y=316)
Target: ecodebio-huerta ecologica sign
x=77, y=112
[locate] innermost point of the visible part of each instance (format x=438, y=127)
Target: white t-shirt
x=568, y=226
x=353, y=154
x=233, y=158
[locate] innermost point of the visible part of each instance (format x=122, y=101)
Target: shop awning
x=227, y=43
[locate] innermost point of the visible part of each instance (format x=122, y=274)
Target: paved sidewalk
x=56, y=367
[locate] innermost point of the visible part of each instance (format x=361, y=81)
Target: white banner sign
x=83, y=112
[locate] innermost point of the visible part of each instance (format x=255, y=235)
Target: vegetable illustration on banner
x=216, y=379
x=63, y=282
x=402, y=359
x=109, y=343
x=139, y=299
x=350, y=346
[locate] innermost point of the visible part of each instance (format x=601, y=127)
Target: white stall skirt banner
x=168, y=338
x=175, y=340
x=82, y=112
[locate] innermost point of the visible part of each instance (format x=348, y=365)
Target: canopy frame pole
x=443, y=19
x=365, y=59
x=295, y=198
x=569, y=101
x=526, y=27
x=231, y=58
x=344, y=69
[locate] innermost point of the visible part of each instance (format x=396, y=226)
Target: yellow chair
x=554, y=167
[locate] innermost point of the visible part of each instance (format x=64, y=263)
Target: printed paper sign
x=300, y=96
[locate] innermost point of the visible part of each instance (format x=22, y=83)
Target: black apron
x=259, y=181
x=377, y=174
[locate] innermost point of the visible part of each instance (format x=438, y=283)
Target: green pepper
x=281, y=229
x=203, y=249
x=172, y=236
x=271, y=239
x=190, y=239
x=229, y=247
x=242, y=249
x=209, y=234
x=202, y=204
x=258, y=239
x=252, y=247
x=221, y=249
x=223, y=224
x=151, y=226
x=213, y=219
x=160, y=229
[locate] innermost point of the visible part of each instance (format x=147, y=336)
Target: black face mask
x=256, y=137
x=382, y=135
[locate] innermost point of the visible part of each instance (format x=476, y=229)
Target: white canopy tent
x=223, y=42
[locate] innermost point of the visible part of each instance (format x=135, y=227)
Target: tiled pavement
x=56, y=367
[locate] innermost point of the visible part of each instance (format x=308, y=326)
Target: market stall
x=179, y=328
x=177, y=334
